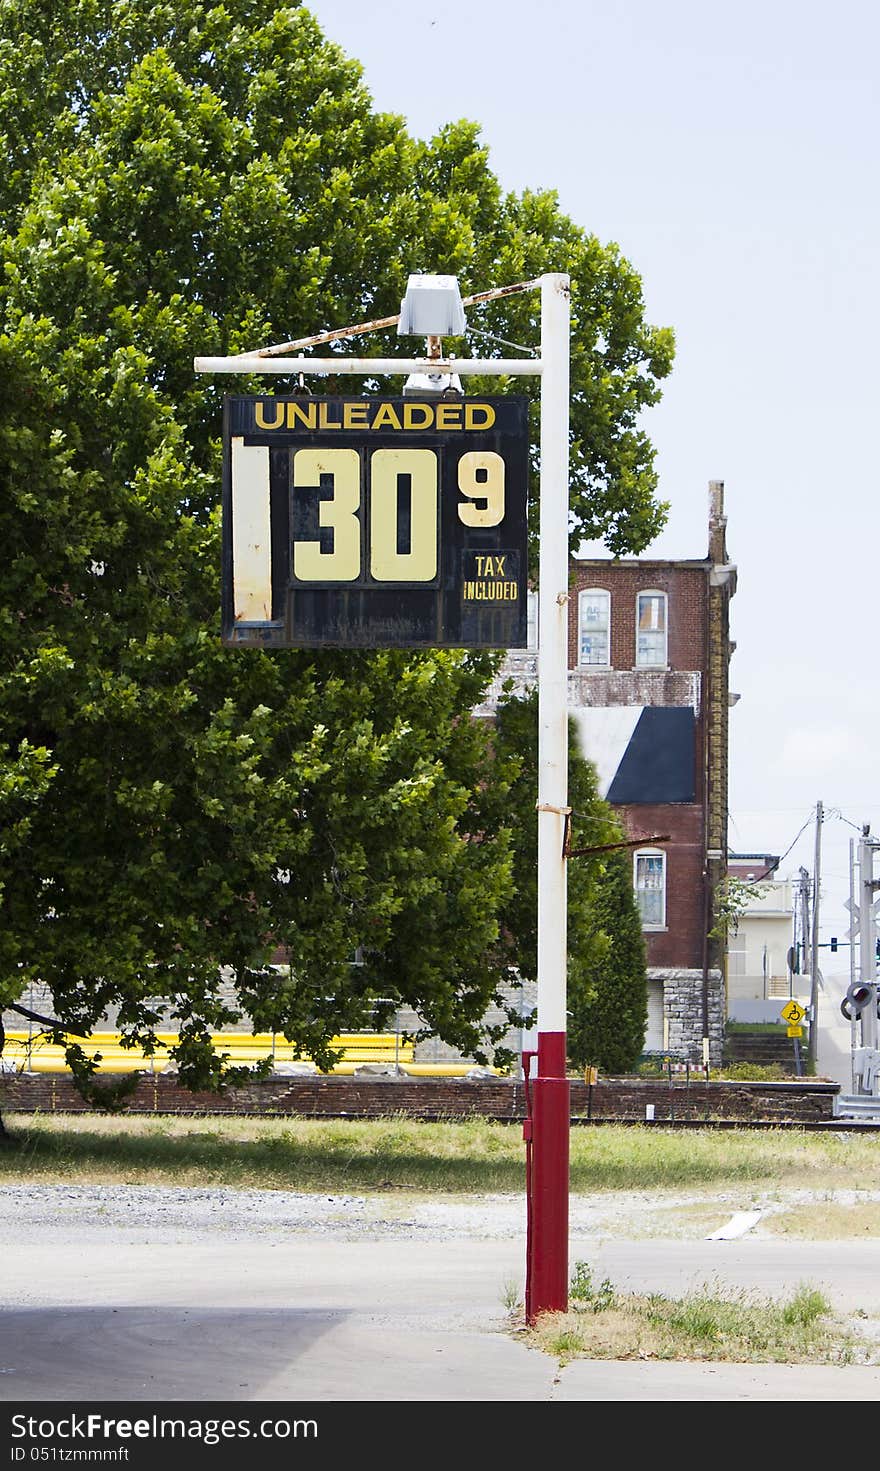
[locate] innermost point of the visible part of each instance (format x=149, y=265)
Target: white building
x=763, y=943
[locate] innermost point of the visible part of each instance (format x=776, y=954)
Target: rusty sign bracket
x=569, y=852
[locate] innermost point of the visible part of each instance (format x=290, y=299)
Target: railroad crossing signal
x=855, y=916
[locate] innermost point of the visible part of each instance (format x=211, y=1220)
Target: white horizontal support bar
x=371, y=367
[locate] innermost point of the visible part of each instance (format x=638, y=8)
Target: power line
x=795, y=838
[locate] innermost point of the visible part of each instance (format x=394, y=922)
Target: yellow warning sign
x=793, y=1013
x=795, y=1031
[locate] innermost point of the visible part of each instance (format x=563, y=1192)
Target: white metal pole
x=553, y=657
x=547, y=1268
x=369, y=367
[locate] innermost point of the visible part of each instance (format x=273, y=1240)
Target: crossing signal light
x=858, y=997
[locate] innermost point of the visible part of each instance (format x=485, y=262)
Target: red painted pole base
x=547, y=1265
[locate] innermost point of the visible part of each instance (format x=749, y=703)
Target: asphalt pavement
x=168, y=1311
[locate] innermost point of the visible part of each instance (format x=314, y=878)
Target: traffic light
x=858, y=997
x=833, y=944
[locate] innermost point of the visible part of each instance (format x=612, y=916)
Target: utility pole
x=806, y=959
x=814, y=946
x=854, y=1021
x=867, y=963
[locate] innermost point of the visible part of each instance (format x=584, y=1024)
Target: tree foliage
x=606, y=982
x=608, y=1011
x=198, y=178
x=594, y=825
x=215, y=176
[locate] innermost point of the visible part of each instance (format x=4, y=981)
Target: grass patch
x=758, y=1029
x=637, y=1158
x=754, y=1072
x=828, y=1220
x=473, y=1156
x=270, y=1154
x=710, y=1323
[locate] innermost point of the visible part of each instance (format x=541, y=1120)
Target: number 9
x=490, y=489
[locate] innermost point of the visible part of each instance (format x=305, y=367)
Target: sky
x=731, y=152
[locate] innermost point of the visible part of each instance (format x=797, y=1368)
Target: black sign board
x=374, y=522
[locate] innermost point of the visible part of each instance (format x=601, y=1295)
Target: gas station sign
x=375, y=522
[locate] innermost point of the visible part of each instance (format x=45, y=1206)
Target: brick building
x=649, y=651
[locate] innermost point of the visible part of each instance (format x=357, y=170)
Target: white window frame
x=662, y=663
x=583, y=663
x=644, y=889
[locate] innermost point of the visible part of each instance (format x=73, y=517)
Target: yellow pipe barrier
x=38, y=1055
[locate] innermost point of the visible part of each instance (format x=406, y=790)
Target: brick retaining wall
x=438, y=1098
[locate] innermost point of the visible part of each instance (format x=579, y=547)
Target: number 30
x=480, y=479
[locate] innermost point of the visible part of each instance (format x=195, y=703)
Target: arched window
x=651, y=624
x=594, y=627
x=649, y=879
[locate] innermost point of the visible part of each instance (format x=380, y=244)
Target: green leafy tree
x=608, y=1011
x=606, y=980
x=197, y=178
x=594, y=825
x=208, y=177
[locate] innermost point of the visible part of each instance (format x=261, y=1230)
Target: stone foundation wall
x=683, y=1007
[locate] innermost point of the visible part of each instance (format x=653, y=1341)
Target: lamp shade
x=432, y=307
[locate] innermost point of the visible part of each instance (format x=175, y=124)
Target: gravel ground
x=222, y=1211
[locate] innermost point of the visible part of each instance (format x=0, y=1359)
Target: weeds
x=806, y=1306
x=710, y=1323
x=584, y=1296
x=511, y=1299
